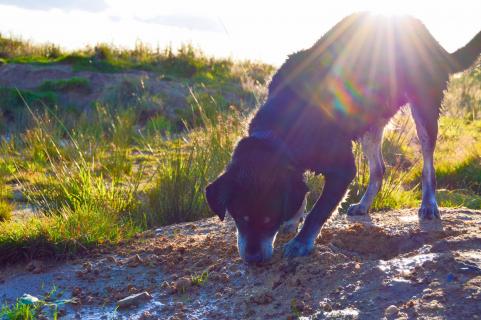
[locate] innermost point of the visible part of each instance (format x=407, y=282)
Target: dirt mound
x=386, y=265
x=157, y=92
x=376, y=242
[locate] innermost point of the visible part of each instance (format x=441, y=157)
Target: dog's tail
x=464, y=57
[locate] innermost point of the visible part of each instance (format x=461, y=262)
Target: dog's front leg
x=335, y=187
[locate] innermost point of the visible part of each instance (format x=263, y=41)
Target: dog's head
x=260, y=189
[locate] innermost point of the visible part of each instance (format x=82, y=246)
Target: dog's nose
x=253, y=258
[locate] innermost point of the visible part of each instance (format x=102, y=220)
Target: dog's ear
x=218, y=194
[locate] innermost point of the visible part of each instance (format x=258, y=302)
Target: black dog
x=345, y=87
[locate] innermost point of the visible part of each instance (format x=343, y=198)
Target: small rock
x=182, y=284
x=89, y=300
x=146, y=315
x=88, y=267
x=427, y=291
x=326, y=306
x=134, y=261
x=391, y=310
x=112, y=259
x=134, y=299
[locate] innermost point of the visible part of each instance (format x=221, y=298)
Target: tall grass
x=463, y=97
x=176, y=193
x=106, y=181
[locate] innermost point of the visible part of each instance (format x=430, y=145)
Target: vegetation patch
x=77, y=84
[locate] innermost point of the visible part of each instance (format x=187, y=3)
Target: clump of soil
x=386, y=265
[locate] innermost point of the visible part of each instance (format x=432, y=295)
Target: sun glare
x=386, y=7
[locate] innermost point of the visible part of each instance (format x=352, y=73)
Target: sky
x=249, y=29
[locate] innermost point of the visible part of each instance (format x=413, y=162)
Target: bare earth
x=386, y=265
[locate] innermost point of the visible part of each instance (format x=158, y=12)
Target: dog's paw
x=429, y=212
x=357, y=209
x=297, y=248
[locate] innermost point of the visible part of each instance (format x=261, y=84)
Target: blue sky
x=259, y=30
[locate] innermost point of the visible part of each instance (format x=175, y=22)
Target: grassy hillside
x=99, y=176
x=187, y=62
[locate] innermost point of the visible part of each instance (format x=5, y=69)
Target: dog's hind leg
x=371, y=147
x=427, y=129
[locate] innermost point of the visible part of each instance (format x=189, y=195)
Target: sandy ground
x=388, y=265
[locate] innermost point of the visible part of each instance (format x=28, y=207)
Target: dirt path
x=386, y=265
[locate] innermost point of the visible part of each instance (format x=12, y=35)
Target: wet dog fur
x=344, y=88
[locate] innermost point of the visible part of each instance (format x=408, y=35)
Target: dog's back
x=365, y=68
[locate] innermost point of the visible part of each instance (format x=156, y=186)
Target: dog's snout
x=253, y=258
x=254, y=250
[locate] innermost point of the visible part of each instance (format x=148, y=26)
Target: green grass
x=11, y=98
x=200, y=279
x=176, y=193
x=6, y=209
x=185, y=63
x=463, y=98
x=19, y=311
x=105, y=182
x=29, y=308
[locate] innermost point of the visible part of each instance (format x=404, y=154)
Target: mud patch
x=383, y=266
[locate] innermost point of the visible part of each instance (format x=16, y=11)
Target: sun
x=386, y=7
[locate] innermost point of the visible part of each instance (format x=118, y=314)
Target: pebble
x=326, y=306
x=391, y=310
x=112, y=259
x=87, y=266
x=182, y=284
x=134, y=261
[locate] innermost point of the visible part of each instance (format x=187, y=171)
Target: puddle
x=63, y=279
x=347, y=313
x=409, y=218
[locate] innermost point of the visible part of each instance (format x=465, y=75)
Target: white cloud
x=87, y=5
x=264, y=30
